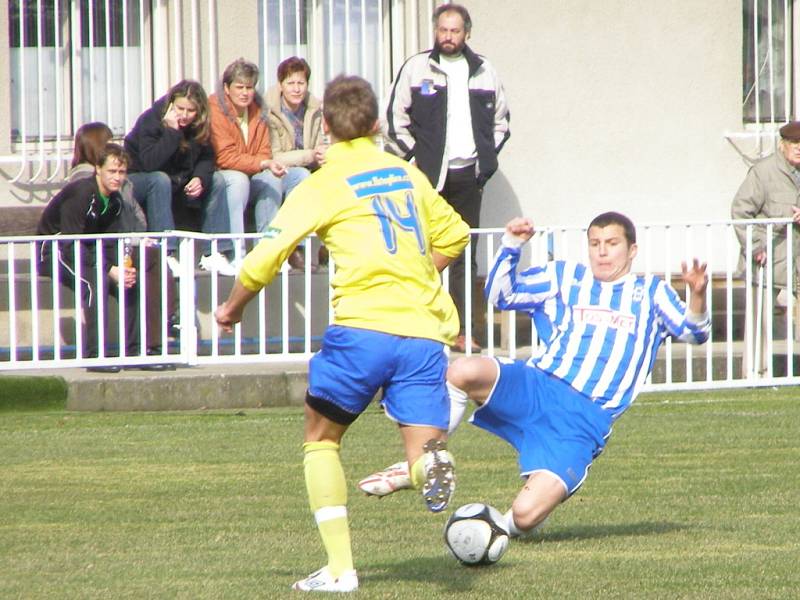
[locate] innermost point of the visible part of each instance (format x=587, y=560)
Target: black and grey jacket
x=78, y=209
x=416, y=116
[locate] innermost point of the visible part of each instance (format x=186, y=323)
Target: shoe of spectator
x=156, y=367
x=104, y=369
x=218, y=263
x=323, y=581
x=155, y=351
x=461, y=345
x=174, y=326
x=174, y=266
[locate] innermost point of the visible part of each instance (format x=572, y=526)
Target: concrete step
x=272, y=384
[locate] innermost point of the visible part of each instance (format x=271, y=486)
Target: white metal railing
x=752, y=343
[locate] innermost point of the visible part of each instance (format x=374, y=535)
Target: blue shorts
x=354, y=364
x=552, y=427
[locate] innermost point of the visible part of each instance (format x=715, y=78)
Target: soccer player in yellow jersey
x=390, y=233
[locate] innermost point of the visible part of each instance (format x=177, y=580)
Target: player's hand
x=171, y=118
x=760, y=257
x=194, y=188
x=695, y=277
x=520, y=227
x=226, y=318
x=796, y=214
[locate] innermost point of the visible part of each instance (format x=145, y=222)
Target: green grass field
x=696, y=496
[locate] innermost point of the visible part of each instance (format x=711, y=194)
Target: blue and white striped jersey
x=603, y=336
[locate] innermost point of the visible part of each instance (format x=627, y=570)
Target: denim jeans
x=153, y=190
x=264, y=190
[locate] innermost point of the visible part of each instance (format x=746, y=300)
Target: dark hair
x=293, y=64
x=241, y=69
x=350, y=107
x=615, y=218
x=194, y=92
x=90, y=139
x=112, y=151
x=456, y=8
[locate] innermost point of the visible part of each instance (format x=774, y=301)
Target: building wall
x=615, y=104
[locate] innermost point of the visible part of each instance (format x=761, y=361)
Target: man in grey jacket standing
x=771, y=190
x=447, y=113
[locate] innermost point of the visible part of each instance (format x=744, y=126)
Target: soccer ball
x=476, y=534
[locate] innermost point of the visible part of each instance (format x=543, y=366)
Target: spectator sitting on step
x=295, y=127
x=172, y=171
x=241, y=139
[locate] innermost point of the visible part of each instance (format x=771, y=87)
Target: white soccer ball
x=476, y=534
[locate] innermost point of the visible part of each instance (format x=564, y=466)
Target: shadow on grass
x=23, y=394
x=585, y=532
x=442, y=571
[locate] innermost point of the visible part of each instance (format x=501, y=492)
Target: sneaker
x=388, y=481
x=323, y=581
x=218, y=263
x=440, y=476
x=174, y=266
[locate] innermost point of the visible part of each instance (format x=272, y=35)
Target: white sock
x=513, y=530
x=458, y=406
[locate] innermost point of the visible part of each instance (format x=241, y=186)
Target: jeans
x=153, y=190
x=264, y=190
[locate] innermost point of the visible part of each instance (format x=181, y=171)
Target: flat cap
x=791, y=131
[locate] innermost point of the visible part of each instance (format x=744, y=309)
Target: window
x=334, y=36
x=74, y=61
x=766, y=58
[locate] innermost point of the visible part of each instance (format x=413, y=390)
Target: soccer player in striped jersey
x=389, y=233
x=605, y=326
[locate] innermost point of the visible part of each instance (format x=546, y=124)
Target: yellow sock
x=417, y=472
x=327, y=496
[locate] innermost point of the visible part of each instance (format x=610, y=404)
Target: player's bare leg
x=467, y=378
x=540, y=496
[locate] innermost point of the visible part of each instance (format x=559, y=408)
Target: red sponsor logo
x=604, y=317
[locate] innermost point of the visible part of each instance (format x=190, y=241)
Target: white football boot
x=440, y=476
x=323, y=581
x=392, y=478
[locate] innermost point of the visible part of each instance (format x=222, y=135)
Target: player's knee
x=464, y=373
x=528, y=512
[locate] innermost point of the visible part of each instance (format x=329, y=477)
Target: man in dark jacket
x=447, y=112
x=92, y=205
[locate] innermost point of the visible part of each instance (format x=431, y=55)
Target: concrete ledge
x=187, y=388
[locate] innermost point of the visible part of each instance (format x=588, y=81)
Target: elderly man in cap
x=771, y=190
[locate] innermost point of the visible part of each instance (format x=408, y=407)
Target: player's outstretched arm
x=697, y=279
x=230, y=312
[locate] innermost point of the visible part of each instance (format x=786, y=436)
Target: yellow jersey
x=381, y=219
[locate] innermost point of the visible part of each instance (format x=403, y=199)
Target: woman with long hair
x=172, y=170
